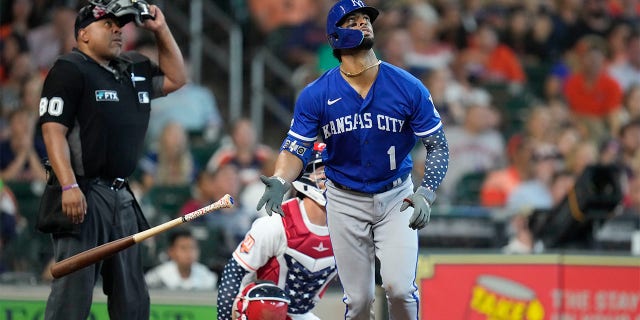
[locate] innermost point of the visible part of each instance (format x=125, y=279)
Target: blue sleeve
x=437, y=160
x=425, y=117
x=303, y=131
x=229, y=288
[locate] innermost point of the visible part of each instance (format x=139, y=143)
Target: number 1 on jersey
x=392, y=157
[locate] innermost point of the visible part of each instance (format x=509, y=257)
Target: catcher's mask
x=311, y=182
x=124, y=11
x=262, y=301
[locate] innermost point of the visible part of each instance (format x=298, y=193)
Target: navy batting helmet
x=342, y=38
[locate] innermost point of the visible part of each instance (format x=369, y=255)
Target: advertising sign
x=554, y=287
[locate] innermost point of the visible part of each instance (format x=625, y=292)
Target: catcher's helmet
x=307, y=185
x=342, y=38
x=262, y=300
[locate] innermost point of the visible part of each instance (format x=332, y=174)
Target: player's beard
x=366, y=44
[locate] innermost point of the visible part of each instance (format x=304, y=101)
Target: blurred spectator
x=171, y=163
x=445, y=97
x=305, y=39
x=631, y=104
x=459, y=93
x=517, y=31
x=426, y=52
x=456, y=23
x=630, y=148
x=539, y=125
x=528, y=34
x=212, y=184
x=182, y=271
x=13, y=45
x=565, y=20
x=617, y=39
x=567, y=138
x=561, y=183
x=553, y=87
x=489, y=61
x=22, y=152
x=519, y=234
x=30, y=93
x=272, y=14
x=476, y=145
x=395, y=45
x=627, y=73
x=19, y=71
x=539, y=49
x=193, y=106
x=624, y=9
x=632, y=200
x=534, y=193
x=250, y=157
x=583, y=154
x=594, y=97
x=8, y=222
x=19, y=22
x=54, y=38
x=499, y=183
x=594, y=19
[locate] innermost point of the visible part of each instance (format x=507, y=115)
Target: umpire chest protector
x=109, y=117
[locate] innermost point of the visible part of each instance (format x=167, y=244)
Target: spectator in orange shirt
x=591, y=93
x=500, y=183
x=491, y=61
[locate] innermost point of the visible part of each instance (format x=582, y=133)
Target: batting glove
x=421, y=202
x=274, y=191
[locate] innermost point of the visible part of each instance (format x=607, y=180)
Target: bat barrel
x=81, y=260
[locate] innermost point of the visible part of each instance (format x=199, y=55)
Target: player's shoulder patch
x=247, y=244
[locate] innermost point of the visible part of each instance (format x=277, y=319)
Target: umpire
x=94, y=114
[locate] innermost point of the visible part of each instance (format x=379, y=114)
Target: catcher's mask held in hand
x=124, y=11
x=311, y=182
x=262, y=301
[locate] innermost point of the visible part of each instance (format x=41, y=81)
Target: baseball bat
x=91, y=256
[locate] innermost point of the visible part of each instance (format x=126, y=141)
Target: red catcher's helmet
x=262, y=301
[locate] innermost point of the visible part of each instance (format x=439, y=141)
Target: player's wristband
x=69, y=187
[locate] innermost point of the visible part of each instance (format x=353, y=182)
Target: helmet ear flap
x=341, y=38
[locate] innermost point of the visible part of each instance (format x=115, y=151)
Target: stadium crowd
x=531, y=93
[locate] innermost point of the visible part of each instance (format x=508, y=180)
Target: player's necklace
x=351, y=75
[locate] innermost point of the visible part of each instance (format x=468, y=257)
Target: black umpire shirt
x=106, y=109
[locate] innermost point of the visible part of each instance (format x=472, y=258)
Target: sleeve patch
x=247, y=244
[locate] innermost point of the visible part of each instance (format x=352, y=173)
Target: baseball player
x=370, y=114
x=94, y=112
x=293, y=251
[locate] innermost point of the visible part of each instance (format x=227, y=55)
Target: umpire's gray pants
x=110, y=215
x=362, y=227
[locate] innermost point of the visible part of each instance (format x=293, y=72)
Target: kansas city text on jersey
x=361, y=121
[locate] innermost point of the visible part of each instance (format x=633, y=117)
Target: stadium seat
x=168, y=200
x=467, y=190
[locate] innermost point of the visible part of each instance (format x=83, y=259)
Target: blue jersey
x=368, y=140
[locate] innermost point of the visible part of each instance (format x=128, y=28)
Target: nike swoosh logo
x=330, y=102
